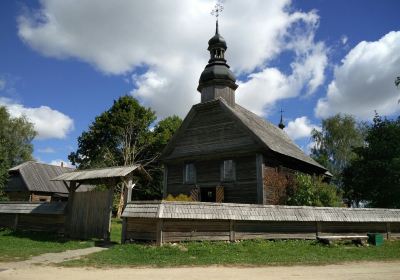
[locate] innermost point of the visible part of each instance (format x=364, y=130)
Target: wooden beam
x=109, y=214
x=318, y=229
x=159, y=233
x=16, y=222
x=68, y=217
x=232, y=236
x=260, y=179
x=388, y=231
x=123, y=233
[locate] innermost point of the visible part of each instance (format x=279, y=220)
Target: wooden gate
x=89, y=215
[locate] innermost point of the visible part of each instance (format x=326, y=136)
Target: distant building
x=221, y=151
x=30, y=181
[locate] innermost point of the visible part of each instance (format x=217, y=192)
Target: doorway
x=208, y=194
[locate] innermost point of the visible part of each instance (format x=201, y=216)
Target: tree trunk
x=121, y=201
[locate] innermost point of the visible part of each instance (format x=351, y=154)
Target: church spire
x=281, y=125
x=217, y=80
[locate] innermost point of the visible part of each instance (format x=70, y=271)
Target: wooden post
x=159, y=233
x=232, y=237
x=110, y=204
x=129, y=187
x=123, y=233
x=318, y=226
x=388, y=231
x=16, y=222
x=68, y=218
x=260, y=179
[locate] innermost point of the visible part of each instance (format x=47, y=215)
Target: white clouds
x=47, y=122
x=60, y=162
x=300, y=128
x=170, y=39
x=344, y=39
x=364, y=81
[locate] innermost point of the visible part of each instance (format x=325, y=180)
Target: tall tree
x=374, y=175
x=335, y=142
x=16, y=135
x=123, y=135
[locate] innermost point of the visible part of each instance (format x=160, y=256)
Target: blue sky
x=64, y=62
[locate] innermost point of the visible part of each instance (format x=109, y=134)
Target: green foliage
x=180, y=197
x=122, y=135
x=335, y=142
x=374, y=175
x=16, y=135
x=248, y=252
x=312, y=191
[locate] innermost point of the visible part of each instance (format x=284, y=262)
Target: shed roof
x=100, y=173
x=253, y=212
x=36, y=176
x=57, y=208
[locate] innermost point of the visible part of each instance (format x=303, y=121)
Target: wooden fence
x=33, y=216
x=181, y=221
x=87, y=215
x=90, y=215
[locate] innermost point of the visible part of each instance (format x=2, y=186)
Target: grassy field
x=16, y=246
x=247, y=253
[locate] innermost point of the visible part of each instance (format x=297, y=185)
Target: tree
x=335, y=142
x=16, y=135
x=122, y=135
x=312, y=191
x=374, y=174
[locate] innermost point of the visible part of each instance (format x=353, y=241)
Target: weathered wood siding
x=208, y=174
x=33, y=222
x=212, y=130
x=89, y=215
x=173, y=230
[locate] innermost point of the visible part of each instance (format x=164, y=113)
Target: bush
x=180, y=197
x=312, y=191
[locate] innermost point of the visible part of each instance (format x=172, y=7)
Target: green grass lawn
x=16, y=246
x=255, y=252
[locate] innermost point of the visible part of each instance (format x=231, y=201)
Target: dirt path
x=353, y=271
x=52, y=258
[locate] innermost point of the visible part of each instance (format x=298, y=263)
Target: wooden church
x=221, y=151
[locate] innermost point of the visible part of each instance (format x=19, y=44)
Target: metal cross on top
x=218, y=8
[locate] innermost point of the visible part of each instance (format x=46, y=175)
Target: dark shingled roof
x=254, y=212
x=36, y=176
x=267, y=134
x=272, y=136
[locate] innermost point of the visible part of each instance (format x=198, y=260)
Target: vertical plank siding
x=175, y=230
x=90, y=215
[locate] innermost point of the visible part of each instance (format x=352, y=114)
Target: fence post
x=159, y=232
x=123, y=233
x=318, y=232
x=16, y=222
x=388, y=231
x=232, y=236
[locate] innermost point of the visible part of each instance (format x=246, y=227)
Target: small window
x=189, y=175
x=228, y=170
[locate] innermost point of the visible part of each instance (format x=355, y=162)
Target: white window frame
x=228, y=163
x=189, y=167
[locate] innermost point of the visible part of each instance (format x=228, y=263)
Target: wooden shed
x=31, y=181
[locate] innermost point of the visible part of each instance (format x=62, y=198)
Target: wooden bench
x=357, y=239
